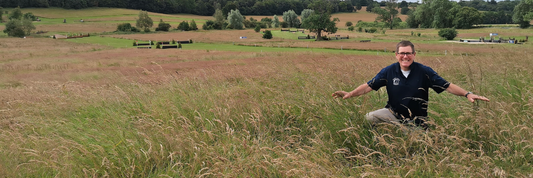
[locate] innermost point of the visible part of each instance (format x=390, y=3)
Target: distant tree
x=523, y=13
x=388, y=14
x=319, y=22
x=306, y=13
x=466, y=17
x=371, y=5
x=434, y=14
x=230, y=5
x=235, y=19
x=219, y=20
x=348, y=24
x=193, y=26
x=358, y=6
x=208, y=25
x=257, y=28
x=267, y=34
x=267, y=22
x=162, y=26
x=1, y=14
x=144, y=21
x=448, y=33
x=275, y=21
x=124, y=27
x=291, y=18
x=404, y=10
x=19, y=27
x=284, y=24
x=321, y=6
x=30, y=16
x=15, y=14
x=403, y=4
x=183, y=26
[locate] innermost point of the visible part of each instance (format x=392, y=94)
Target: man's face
x=405, y=57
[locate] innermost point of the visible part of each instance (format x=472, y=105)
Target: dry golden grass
x=82, y=110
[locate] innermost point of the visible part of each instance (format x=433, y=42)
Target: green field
x=99, y=107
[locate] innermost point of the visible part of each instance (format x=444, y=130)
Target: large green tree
x=144, y=21
x=434, y=14
x=388, y=14
x=523, y=13
x=320, y=22
x=306, y=13
x=291, y=18
x=467, y=17
x=235, y=19
x=19, y=27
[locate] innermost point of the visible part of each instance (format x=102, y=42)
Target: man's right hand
x=339, y=94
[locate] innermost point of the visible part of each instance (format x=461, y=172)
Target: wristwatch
x=466, y=95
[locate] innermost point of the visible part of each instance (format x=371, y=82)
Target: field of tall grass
x=86, y=110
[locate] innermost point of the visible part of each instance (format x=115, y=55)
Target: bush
x=372, y=30
x=125, y=27
x=267, y=34
x=359, y=29
x=190, y=41
x=183, y=26
x=146, y=30
x=351, y=28
x=162, y=26
x=158, y=46
x=179, y=45
x=134, y=42
x=284, y=24
x=349, y=24
x=30, y=16
x=173, y=41
x=448, y=33
x=257, y=28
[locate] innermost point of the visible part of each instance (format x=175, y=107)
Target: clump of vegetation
x=448, y=33
x=267, y=34
x=18, y=25
x=126, y=27
x=351, y=28
x=257, y=28
x=162, y=26
x=183, y=26
x=144, y=21
x=349, y=24
x=193, y=26
x=179, y=45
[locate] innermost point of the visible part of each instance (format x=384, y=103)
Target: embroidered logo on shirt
x=396, y=81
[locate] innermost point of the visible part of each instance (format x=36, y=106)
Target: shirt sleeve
x=437, y=83
x=379, y=80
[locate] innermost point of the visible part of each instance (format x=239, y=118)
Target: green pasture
x=126, y=43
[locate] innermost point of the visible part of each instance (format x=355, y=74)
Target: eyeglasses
x=405, y=54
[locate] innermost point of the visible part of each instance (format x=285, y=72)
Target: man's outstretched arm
x=456, y=90
x=360, y=90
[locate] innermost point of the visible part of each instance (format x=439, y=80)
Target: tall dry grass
x=257, y=115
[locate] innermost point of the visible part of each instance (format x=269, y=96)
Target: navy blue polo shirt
x=408, y=97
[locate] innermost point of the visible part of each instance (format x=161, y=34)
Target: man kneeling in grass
x=407, y=84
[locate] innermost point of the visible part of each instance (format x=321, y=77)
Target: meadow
x=225, y=107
